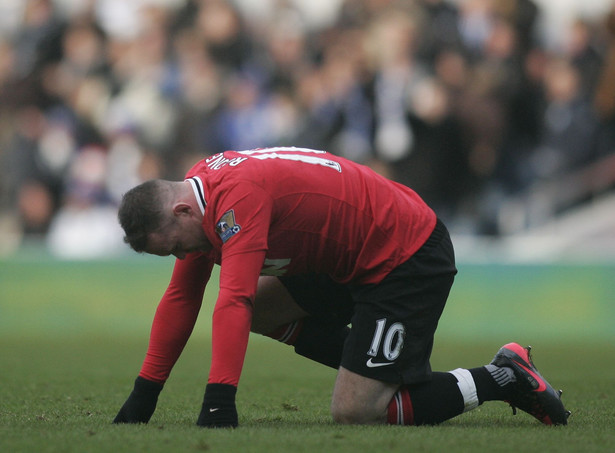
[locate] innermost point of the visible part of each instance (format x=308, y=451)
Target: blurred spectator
x=475, y=23
x=35, y=206
x=569, y=128
x=396, y=74
x=438, y=166
x=338, y=113
x=523, y=15
x=587, y=59
x=459, y=99
x=34, y=175
x=443, y=31
x=85, y=226
x=224, y=33
x=36, y=40
x=604, y=96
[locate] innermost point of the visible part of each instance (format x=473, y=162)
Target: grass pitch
x=73, y=335
x=61, y=395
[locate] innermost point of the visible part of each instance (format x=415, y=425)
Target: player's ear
x=181, y=208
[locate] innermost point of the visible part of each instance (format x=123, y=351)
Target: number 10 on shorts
x=393, y=340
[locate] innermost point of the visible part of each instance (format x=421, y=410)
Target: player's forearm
x=230, y=333
x=229, y=344
x=176, y=316
x=171, y=329
x=233, y=315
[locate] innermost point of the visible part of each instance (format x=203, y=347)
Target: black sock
x=493, y=383
x=449, y=394
x=435, y=401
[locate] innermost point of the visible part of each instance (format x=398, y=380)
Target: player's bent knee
x=360, y=400
x=348, y=414
x=344, y=417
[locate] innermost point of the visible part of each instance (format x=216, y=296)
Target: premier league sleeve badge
x=226, y=227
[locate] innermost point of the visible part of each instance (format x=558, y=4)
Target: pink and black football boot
x=531, y=393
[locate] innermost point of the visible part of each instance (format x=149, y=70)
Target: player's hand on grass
x=141, y=403
x=219, y=409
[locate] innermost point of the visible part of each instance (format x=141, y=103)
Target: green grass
x=61, y=394
x=73, y=335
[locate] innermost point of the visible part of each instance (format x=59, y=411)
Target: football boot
x=531, y=392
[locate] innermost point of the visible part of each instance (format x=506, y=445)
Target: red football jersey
x=280, y=211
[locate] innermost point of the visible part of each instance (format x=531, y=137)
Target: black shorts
x=392, y=322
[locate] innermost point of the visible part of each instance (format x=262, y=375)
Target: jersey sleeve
x=232, y=316
x=242, y=218
x=243, y=255
x=176, y=316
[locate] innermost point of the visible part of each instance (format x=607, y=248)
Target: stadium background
x=501, y=114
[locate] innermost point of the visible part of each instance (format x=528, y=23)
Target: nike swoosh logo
x=371, y=364
x=541, y=383
x=214, y=409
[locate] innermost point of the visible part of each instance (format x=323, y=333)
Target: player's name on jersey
x=218, y=161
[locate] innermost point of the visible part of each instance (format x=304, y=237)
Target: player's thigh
x=360, y=400
x=273, y=306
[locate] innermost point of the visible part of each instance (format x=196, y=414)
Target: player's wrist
x=218, y=409
x=220, y=393
x=144, y=386
x=141, y=402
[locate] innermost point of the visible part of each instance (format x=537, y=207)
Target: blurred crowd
x=462, y=100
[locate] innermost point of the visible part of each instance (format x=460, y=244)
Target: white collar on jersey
x=199, y=193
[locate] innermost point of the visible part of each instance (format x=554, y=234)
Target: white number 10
x=391, y=351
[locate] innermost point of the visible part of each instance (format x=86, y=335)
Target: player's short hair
x=141, y=212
